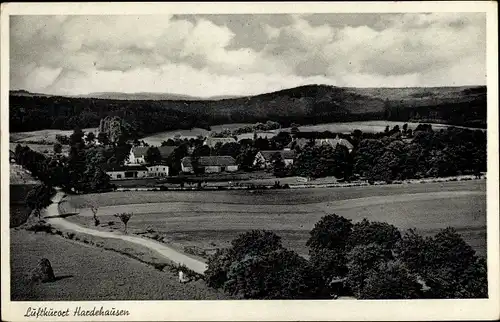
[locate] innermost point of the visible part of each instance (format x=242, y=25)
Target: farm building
x=264, y=158
x=159, y=170
x=211, y=142
x=302, y=142
x=255, y=135
x=126, y=172
x=138, y=153
x=335, y=142
x=210, y=164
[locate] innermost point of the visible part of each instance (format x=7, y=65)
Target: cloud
x=244, y=54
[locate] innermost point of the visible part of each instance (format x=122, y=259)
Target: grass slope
x=87, y=273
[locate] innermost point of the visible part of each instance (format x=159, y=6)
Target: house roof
x=285, y=154
x=139, y=151
x=216, y=160
x=334, y=142
x=165, y=151
x=301, y=142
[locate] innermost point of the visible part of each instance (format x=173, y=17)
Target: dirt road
x=51, y=215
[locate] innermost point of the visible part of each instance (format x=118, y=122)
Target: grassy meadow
x=85, y=273
x=47, y=136
x=213, y=218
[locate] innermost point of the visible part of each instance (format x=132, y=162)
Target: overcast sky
x=207, y=55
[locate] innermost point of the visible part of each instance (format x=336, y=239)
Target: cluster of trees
x=267, y=126
x=469, y=110
x=430, y=153
x=115, y=130
x=367, y=260
x=30, y=113
x=395, y=154
x=80, y=172
x=321, y=161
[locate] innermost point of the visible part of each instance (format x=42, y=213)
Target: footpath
x=52, y=216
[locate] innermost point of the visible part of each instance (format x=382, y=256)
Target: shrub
x=70, y=235
x=40, y=227
x=391, y=280
x=280, y=274
x=218, y=267
x=124, y=217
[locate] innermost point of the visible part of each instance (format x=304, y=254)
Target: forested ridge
x=311, y=104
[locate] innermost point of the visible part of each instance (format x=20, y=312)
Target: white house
x=160, y=170
x=211, y=141
x=264, y=158
x=127, y=172
x=210, y=164
x=138, y=153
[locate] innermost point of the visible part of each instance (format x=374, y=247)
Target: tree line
x=311, y=104
x=367, y=260
x=79, y=172
x=397, y=154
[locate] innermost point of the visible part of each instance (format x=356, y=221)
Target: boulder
x=43, y=272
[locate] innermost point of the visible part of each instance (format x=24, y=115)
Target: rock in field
x=43, y=272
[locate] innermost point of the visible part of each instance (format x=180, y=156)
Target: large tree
x=366, y=232
x=153, y=155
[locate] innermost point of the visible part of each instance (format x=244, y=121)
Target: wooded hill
x=310, y=104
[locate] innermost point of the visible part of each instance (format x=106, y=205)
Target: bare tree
x=94, y=207
x=124, y=217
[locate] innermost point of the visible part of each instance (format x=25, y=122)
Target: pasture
x=213, y=218
x=46, y=149
x=47, y=136
x=87, y=273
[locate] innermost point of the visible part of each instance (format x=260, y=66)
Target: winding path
x=52, y=216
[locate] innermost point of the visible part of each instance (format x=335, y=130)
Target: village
x=137, y=166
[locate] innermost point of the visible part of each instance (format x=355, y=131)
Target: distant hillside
x=310, y=104
x=150, y=96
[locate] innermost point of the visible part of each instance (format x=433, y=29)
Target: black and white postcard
x=250, y=161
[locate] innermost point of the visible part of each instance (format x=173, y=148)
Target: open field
x=47, y=149
x=343, y=127
x=89, y=273
x=46, y=136
x=213, y=218
x=367, y=126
